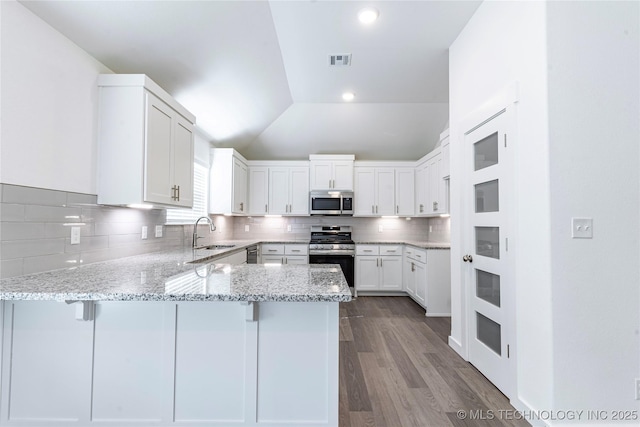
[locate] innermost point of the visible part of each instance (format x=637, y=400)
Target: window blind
x=200, y=198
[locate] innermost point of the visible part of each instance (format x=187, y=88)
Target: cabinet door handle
x=376, y=208
x=435, y=206
x=380, y=262
x=397, y=209
x=241, y=206
x=377, y=262
x=413, y=267
x=295, y=250
x=266, y=208
x=421, y=208
x=272, y=250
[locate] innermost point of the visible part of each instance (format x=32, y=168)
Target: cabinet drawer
x=296, y=249
x=390, y=250
x=272, y=249
x=416, y=254
x=367, y=250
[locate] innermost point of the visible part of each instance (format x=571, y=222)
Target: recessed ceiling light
x=368, y=15
x=348, y=96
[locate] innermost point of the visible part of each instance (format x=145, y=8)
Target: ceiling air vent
x=340, y=60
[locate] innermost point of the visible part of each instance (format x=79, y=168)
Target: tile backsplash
x=35, y=230
x=364, y=229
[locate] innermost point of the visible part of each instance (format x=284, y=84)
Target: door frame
x=503, y=103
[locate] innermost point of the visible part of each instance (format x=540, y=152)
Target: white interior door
x=486, y=259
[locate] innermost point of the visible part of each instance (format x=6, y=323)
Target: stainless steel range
x=332, y=244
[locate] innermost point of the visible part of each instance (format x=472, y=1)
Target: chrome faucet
x=212, y=228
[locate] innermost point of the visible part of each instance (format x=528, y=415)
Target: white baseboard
x=457, y=347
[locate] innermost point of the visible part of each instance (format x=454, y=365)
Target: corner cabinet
x=145, y=144
x=228, y=183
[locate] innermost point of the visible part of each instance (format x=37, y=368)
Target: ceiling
x=256, y=73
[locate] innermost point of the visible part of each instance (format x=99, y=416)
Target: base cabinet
x=280, y=253
x=427, y=279
x=169, y=364
x=378, y=268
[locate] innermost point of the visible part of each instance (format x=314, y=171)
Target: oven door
x=346, y=262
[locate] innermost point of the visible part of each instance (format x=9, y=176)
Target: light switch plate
x=582, y=228
x=75, y=235
x=144, y=232
x=246, y=228
x=158, y=231
x=380, y=228
x=289, y=228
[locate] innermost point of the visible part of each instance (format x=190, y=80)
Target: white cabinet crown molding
x=142, y=80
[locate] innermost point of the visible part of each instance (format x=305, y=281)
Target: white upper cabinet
x=228, y=182
x=289, y=190
x=145, y=144
x=431, y=187
x=384, y=188
x=405, y=191
x=258, y=190
x=331, y=172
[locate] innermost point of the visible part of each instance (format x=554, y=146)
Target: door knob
x=467, y=258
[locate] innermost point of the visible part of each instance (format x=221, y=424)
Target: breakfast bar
x=159, y=340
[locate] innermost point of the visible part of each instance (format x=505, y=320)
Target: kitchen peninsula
x=161, y=341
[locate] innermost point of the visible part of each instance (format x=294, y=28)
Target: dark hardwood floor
x=397, y=370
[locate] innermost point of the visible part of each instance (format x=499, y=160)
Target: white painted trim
x=277, y=163
x=332, y=157
x=458, y=348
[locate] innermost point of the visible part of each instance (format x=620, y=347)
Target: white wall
x=505, y=42
x=49, y=102
x=594, y=123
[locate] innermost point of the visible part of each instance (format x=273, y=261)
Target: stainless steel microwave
x=331, y=202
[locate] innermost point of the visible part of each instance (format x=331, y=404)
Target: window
x=200, y=198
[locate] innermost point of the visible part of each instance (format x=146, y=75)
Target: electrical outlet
x=75, y=235
x=430, y=229
x=158, y=231
x=289, y=228
x=144, y=232
x=637, y=388
x=246, y=228
x=380, y=228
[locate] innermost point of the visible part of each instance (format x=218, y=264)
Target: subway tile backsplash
x=35, y=230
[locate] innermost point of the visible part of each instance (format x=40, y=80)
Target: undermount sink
x=213, y=247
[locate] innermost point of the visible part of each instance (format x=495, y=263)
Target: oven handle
x=332, y=252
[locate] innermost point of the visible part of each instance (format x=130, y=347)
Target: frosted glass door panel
x=487, y=199
x=489, y=333
x=486, y=152
x=488, y=287
x=488, y=242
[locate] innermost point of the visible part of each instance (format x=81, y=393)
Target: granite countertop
x=190, y=275
x=173, y=276
x=415, y=243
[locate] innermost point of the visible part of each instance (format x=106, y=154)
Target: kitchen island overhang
x=219, y=345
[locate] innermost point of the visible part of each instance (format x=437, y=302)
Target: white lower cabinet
x=169, y=364
x=427, y=279
x=378, y=268
x=280, y=253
